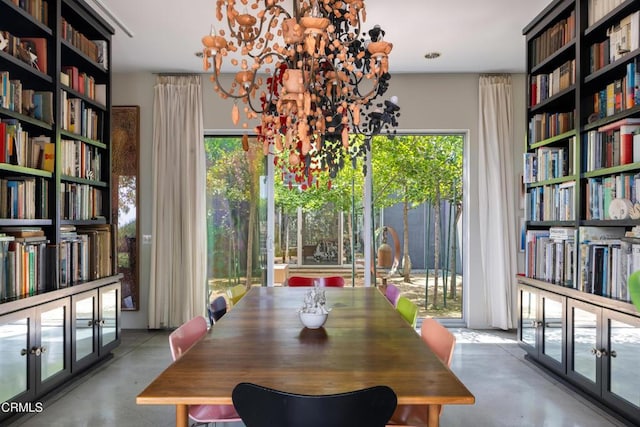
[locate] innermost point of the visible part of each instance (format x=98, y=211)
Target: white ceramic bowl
x=313, y=320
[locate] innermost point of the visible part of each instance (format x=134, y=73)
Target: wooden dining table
x=364, y=342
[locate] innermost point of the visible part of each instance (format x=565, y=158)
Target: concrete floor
x=509, y=391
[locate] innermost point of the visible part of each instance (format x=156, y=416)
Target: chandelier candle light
x=309, y=77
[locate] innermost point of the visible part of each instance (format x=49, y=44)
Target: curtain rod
x=166, y=74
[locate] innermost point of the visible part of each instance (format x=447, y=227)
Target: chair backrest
x=301, y=281
x=264, y=407
x=186, y=336
x=439, y=339
x=633, y=283
x=236, y=293
x=332, y=281
x=217, y=309
x=408, y=310
x=392, y=293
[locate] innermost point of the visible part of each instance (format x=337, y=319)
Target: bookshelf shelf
x=26, y=119
x=24, y=170
x=624, y=8
x=51, y=266
x=26, y=68
x=552, y=181
x=84, y=139
x=554, y=139
x=613, y=170
x=84, y=181
x=581, y=264
x=20, y=18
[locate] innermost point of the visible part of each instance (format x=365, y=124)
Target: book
x=44, y=149
x=626, y=143
x=3, y=146
x=617, y=124
x=38, y=46
x=45, y=100
x=100, y=94
x=591, y=236
x=22, y=231
x=102, y=53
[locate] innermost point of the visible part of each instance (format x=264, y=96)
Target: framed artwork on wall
x=125, y=137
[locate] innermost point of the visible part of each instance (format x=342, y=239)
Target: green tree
x=445, y=159
x=233, y=175
x=414, y=170
x=325, y=191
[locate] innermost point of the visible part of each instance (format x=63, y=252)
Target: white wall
x=428, y=102
x=137, y=89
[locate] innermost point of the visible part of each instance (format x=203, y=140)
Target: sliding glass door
x=416, y=197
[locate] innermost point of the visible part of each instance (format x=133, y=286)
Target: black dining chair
x=217, y=309
x=260, y=406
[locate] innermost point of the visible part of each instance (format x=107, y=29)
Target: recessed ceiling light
x=432, y=55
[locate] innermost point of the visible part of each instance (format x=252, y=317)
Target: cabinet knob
x=34, y=350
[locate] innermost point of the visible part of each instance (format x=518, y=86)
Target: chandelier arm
x=253, y=81
x=355, y=83
x=266, y=44
x=349, y=40
x=235, y=34
x=223, y=90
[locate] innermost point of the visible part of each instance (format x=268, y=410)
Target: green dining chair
x=408, y=310
x=633, y=282
x=236, y=293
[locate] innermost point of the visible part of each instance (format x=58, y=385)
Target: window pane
x=235, y=207
x=417, y=185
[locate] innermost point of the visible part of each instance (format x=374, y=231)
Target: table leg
x=434, y=416
x=182, y=415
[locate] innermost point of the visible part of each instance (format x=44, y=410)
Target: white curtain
x=179, y=245
x=497, y=199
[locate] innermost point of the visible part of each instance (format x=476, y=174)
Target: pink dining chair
x=180, y=341
x=332, y=281
x=442, y=343
x=439, y=339
x=300, y=281
x=392, y=293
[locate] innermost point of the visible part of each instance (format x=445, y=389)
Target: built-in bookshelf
x=54, y=131
x=582, y=190
x=582, y=160
x=56, y=237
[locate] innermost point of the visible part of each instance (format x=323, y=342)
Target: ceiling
x=472, y=36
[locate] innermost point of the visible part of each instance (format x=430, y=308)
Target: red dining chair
x=180, y=341
x=332, y=281
x=301, y=281
x=442, y=343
